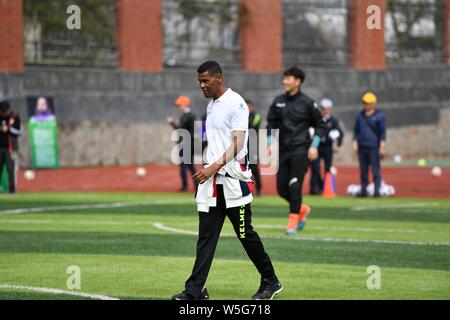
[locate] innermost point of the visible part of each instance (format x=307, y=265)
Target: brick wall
x=139, y=35
x=261, y=35
x=11, y=36
x=446, y=41
x=367, y=45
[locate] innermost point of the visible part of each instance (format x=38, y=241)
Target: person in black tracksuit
x=293, y=113
x=9, y=131
x=187, y=122
x=254, y=122
x=333, y=134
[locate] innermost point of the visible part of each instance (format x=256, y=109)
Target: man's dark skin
x=213, y=87
x=4, y=113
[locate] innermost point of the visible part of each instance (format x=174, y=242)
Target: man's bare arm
x=237, y=144
x=238, y=139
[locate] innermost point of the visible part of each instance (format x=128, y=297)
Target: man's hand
x=170, y=120
x=312, y=154
x=206, y=173
x=238, y=138
x=337, y=149
x=269, y=151
x=355, y=146
x=5, y=128
x=382, y=149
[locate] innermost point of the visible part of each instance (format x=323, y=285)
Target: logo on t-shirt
x=241, y=106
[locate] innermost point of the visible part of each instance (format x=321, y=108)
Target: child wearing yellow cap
x=369, y=142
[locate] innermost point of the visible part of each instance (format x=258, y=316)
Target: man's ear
x=219, y=77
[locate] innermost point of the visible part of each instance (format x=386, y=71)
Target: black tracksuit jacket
x=293, y=116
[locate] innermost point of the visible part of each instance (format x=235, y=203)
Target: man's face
x=251, y=108
x=209, y=83
x=291, y=83
x=368, y=106
x=325, y=111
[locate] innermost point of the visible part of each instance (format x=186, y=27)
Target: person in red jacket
x=9, y=131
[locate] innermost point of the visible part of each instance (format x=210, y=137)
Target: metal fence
x=48, y=41
x=414, y=31
x=315, y=32
x=198, y=30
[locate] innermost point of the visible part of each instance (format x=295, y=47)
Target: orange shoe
x=304, y=212
x=292, y=225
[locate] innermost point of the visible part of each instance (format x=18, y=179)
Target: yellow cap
x=369, y=98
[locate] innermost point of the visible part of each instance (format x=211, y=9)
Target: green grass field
x=142, y=246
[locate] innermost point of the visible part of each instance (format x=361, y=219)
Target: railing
x=315, y=32
x=199, y=30
x=414, y=31
x=48, y=41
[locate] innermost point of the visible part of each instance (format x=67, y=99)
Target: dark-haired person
x=9, y=130
x=369, y=142
x=186, y=122
x=225, y=187
x=254, y=122
x=293, y=113
x=334, y=134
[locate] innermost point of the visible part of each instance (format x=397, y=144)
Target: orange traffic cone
x=329, y=188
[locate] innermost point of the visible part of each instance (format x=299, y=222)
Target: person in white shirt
x=225, y=187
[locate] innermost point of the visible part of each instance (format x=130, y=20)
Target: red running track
x=414, y=182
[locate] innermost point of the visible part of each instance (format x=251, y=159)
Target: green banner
x=4, y=182
x=44, y=143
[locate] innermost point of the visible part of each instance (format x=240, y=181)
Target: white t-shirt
x=226, y=114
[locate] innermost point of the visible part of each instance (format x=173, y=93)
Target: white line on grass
x=325, y=239
x=58, y=291
x=161, y=226
x=268, y=226
x=359, y=229
x=89, y=206
x=396, y=206
x=77, y=222
x=259, y=226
